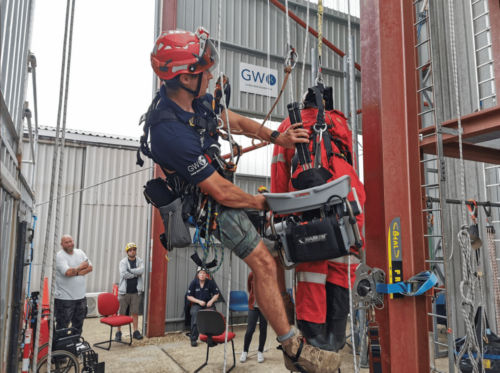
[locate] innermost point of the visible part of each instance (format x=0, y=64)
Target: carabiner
x=291, y=56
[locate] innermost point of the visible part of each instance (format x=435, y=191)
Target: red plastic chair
x=108, y=305
x=212, y=328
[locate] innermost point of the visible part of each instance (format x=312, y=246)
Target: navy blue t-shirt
x=204, y=294
x=178, y=146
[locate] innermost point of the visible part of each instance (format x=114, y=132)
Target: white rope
x=467, y=285
x=227, y=310
x=351, y=312
x=289, y=46
x=352, y=105
x=268, y=149
x=494, y=274
x=223, y=98
x=306, y=37
x=59, y=184
x=49, y=217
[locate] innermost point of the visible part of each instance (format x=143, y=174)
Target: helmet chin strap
x=198, y=87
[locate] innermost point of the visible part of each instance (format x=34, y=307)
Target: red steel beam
x=475, y=124
x=311, y=30
x=157, y=307
x=494, y=9
x=473, y=152
x=392, y=174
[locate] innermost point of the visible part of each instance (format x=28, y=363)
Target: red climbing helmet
x=183, y=52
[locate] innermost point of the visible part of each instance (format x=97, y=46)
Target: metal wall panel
x=102, y=219
x=244, y=36
x=113, y=214
x=15, y=34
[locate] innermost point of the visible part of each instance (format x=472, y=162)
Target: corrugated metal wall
x=103, y=219
x=16, y=29
x=244, y=37
x=445, y=110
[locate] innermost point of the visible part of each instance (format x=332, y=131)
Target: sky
x=111, y=79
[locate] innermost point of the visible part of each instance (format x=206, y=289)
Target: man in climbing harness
x=322, y=298
x=184, y=142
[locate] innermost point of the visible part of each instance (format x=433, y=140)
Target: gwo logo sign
x=258, y=79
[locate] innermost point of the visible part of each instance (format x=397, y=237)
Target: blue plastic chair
x=237, y=303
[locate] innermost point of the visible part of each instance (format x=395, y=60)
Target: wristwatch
x=274, y=136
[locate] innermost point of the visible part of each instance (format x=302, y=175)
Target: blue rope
x=209, y=239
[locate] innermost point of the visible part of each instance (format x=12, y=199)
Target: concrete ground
x=173, y=353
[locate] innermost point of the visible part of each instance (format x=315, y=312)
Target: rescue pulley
x=370, y=286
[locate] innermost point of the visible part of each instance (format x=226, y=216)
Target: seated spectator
x=130, y=288
x=203, y=292
x=254, y=315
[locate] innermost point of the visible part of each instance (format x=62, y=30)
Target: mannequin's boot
x=313, y=333
x=336, y=334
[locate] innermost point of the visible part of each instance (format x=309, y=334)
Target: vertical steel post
x=392, y=174
x=157, y=305
x=149, y=243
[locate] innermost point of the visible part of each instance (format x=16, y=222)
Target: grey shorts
x=132, y=300
x=238, y=233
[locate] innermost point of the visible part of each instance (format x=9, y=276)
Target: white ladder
x=483, y=55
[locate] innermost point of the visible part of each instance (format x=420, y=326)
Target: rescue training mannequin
x=182, y=135
x=322, y=295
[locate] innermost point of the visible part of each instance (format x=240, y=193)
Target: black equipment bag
x=158, y=193
x=491, y=348
x=319, y=239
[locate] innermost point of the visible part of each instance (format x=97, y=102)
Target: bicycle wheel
x=61, y=362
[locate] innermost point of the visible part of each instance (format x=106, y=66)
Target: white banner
x=258, y=79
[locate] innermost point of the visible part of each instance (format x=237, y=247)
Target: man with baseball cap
x=130, y=287
x=203, y=292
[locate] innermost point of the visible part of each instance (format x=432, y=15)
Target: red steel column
x=392, y=173
x=158, y=279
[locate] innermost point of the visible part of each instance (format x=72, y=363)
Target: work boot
x=313, y=333
x=118, y=336
x=289, y=307
x=310, y=359
x=335, y=334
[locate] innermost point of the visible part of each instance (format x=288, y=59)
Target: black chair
x=212, y=328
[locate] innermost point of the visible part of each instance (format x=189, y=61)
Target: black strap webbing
x=375, y=348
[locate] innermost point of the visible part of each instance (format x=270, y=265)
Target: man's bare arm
x=228, y=194
x=249, y=127
x=73, y=271
x=85, y=271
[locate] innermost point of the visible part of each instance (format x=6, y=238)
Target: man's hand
x=293, y=135
x=84, y=265
x=261, y=203
x=209, y=304
x=201, y=303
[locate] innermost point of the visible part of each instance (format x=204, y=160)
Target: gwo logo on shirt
x=198, y=166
